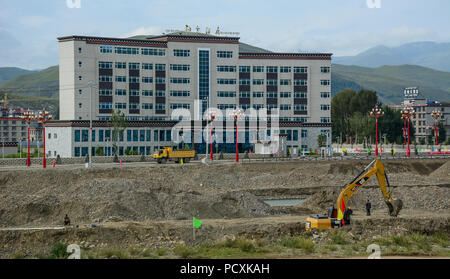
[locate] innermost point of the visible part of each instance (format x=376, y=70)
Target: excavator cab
x=340, y=215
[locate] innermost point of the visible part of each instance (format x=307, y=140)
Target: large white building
x=148, y=77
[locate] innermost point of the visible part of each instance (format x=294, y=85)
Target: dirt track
x=156, y=203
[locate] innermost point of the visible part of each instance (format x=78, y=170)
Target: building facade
x=150, y=77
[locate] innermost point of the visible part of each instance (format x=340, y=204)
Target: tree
x=322, y=140
x=118, y=124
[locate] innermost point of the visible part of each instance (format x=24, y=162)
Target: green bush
x=184, y=251
x=337, y=237
x=305, y=244
x=59, y=251
x=400, y=240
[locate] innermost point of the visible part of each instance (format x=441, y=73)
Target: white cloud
x=150, y=30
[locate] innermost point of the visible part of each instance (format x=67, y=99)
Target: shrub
x=59, y=251
x=400, y=240
x=184, y=251
x=302, y=243
x=337, y=237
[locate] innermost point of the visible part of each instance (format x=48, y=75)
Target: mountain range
x=427, y=54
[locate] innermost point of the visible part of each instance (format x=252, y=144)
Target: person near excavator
x=66, y=220
x=368, y=207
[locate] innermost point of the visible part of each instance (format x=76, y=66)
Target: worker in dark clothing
x=66, y=221
x=347, y=214
x=368, y=207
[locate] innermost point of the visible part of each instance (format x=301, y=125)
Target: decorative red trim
x=192, y=40
x=285, y=56
x=161, y=45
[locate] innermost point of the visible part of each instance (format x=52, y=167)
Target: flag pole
x=193, y=228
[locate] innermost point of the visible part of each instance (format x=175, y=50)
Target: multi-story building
x=149, y=77
x=422, y=121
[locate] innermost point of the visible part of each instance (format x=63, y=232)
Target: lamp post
x=237, y=114
x=436, y=114
x=212, y=116
x=44, y=117
x=407, y=113
x=376, y=113
x=28, y=117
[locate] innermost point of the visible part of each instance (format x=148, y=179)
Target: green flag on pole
x=197, y=223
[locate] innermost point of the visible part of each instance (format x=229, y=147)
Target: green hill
x=8, y=73
x=389, y=81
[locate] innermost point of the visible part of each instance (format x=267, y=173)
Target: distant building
x=422, y=120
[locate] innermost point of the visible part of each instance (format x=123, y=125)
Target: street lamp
x=376, y=113
x=44, y=117
x=212, y=116
x=407, y=113
x=236, y=115
x=28, y=117
x=436, y=114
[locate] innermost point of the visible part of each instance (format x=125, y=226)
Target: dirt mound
x=443, y=171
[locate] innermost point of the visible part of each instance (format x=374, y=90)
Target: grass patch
x=59, y=251
x=400, y=240
x=114, y=254
x=184, y=251
x=338, y=237
x=441, y=239
x=305, y=244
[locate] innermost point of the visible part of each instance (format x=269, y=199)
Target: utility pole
x=91, y=84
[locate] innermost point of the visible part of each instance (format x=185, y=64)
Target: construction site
x=247, y=210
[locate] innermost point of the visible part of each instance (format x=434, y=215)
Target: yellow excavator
x=340, y=215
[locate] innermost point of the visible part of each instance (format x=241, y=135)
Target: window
x=300, y=82
x=49, y=136
x=272, y=95
x=80, y=64
x=272, y=82
x=133, y=106
x=258, y=82
x=177, y=93
x=121, y=79
x=105, y=106
x=105, y=65
x=160, y=80
x=147, y=106
x=160, y=67
x=121, y=92
x=304, y=133
x=105, y=49
x=77, y=135
x=121, y=106
x=325, y=94
x=300, y=69
x=153, y=52
x=135, y=135
x=285, y=82
x=77, y=152
x=300, y=108
x=85, y=135
x=121, y=65
x=226, y=94
x=300, y=95
x=80, y=78
x=160, y=106
x=134, y=92
x=179, y=67
x=133, y=79
x=295, y=135
x=80, y=105
x=180, y=80
x=80, y=91
x=228, y=69
x=147, y=66
x=285, y=69
x=105, y=92
x=244, y=81
x=325, y=70
x=149, y=135
x=126, y=50
x=325, y=82
x=226, y=81
x=272, y=69
x=180, y=106
x=79, y=50
x=147, y=79
x=258, y=69
x=285, y=95
x=224, y=54
x=324, y=107
x=105, y=78
x=272, y=106
x=147, y=93
x=160, y=93
x=244, y=94
x=325, y=120
x=258, y=94
x=181, y=52
x=133, y=66
x=285, y=107
x=226, y=106
x=244, y=69
x=258, y=106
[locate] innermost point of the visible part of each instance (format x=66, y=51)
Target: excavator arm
x=374, y=168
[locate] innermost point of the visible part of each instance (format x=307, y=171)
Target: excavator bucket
x=395, y=206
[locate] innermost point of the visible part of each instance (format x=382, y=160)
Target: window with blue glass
x=295, y=135
x=101, y=135
x=149, y=135
x=162, y=135
x=108, y=135
x=203, y=72
x=121, y=136
x=142, y=150
x=147, y=150
x=84, y=151
x=304, y=133
x=289, y=135
x=77, y=136
x=135, y=135
x=93, y=136
x=85, y=135
x=142, y=135
x=169, y=135
x=120, y=150
x=128, y=135
x=77, y=152
x=155, y=135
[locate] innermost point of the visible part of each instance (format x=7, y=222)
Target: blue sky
x=29, y=28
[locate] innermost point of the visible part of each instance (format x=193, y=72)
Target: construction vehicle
x=339, y=215
x=168, y=154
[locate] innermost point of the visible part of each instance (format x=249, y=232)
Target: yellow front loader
x=335, y=217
